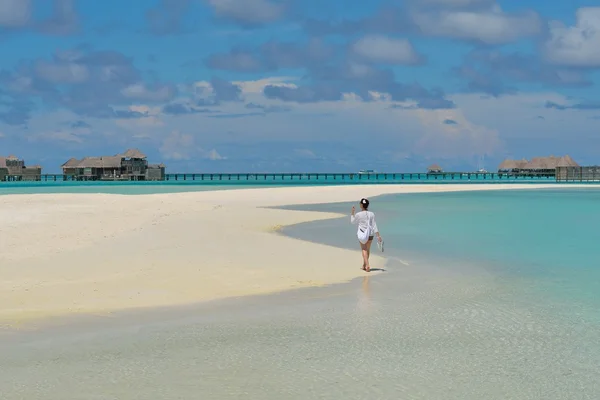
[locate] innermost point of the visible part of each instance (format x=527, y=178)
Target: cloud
x=156, y=93
x=477, y=21
x=182, y=109
x=575, y=46
x=87, y=82
x=248, y=13
x=225, y=90
x=267, y=109
x=14, y=13
x=257, y=86
x=386, y=50
x=576, y=106
x=304, y=94
x=489, y=26
x=462, y=138
x=177, y=146
x=214, y=155
x=75, y=133
x=494, y=72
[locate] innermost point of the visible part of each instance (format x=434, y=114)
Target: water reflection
x=364, y=302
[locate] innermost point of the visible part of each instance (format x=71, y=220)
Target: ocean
x=486, y=295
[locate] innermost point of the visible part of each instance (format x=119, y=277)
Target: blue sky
x=300, y=85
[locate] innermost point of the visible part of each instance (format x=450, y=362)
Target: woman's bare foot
x=368, y=268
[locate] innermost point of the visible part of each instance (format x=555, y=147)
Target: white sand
x=96, y=253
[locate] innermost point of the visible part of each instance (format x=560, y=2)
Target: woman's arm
x=375, y=228
x=352, y=217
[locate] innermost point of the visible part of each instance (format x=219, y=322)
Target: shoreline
x=95, y=254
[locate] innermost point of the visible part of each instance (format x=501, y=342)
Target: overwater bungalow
x=537, y=165
x=129, y=166
x=512, y=166
x=13, y=168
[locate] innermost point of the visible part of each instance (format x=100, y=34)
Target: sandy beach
x=62, y=254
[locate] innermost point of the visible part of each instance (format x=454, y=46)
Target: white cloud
x=178, y=146
x=71, y=135
x=463, y=139
x=202, y=88
x=214, y=155
x=578, y=45
x=257, y=86
x=383, y=49
x=14, y=13
x=490, y=26
x=151, y=119
x=141, y=92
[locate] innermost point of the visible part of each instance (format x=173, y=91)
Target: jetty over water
x=325, y=178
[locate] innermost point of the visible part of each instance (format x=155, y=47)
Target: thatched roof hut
x=549, y=163
x=72, y=163
x=434, y=168
x=511, y=165
x=567, y=161
x=133, y=153
x=100, y=162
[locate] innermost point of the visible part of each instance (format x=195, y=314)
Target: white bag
x=363, y=235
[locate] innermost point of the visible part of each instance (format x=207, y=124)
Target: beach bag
x=363, y=234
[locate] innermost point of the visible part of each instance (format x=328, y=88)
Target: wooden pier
x=319, y=178
x=345, y=178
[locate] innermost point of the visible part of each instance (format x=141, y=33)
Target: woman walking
x=367, y=227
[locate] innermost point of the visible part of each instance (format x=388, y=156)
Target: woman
x=366, y=228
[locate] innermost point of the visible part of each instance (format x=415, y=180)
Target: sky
x=300, y=85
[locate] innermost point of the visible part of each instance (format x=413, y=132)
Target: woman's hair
x=365, y=203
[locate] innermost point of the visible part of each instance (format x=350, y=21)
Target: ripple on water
x=449, y=337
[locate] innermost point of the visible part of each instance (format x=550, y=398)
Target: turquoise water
x=546, y=239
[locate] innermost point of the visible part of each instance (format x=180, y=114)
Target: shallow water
x=439, y=328
x=545, y=237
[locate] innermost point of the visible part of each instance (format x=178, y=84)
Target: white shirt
x=364, y=219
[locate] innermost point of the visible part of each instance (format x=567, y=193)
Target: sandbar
x=62, y=254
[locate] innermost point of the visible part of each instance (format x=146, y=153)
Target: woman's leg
x=365, y=256
x=368, y=246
